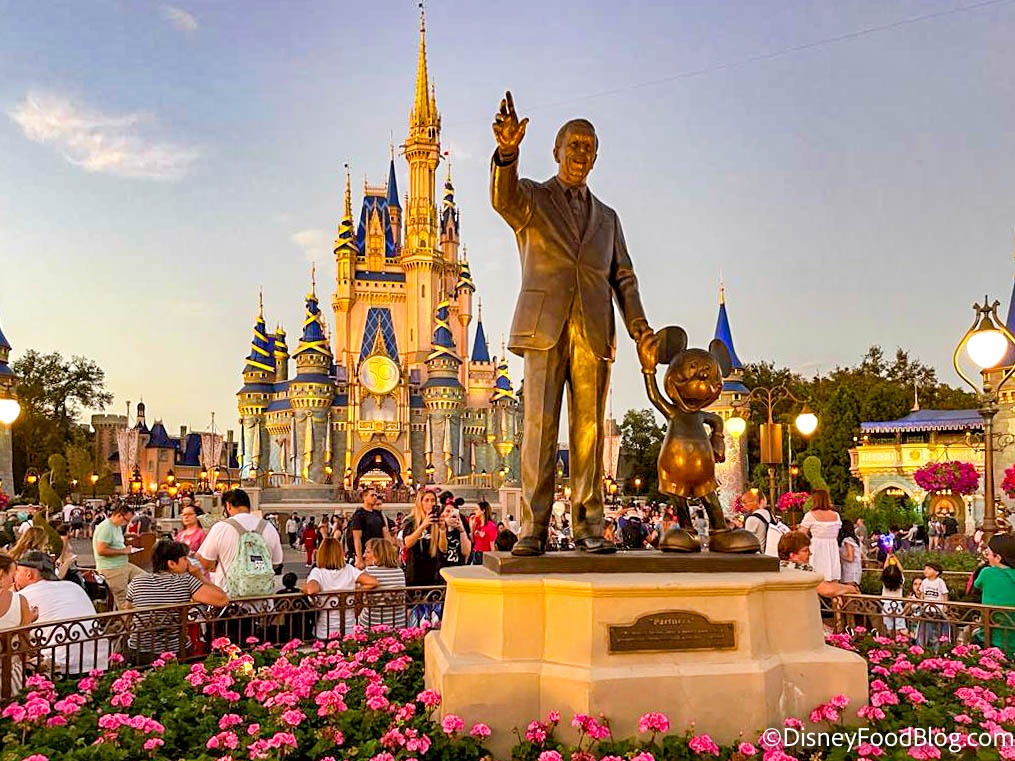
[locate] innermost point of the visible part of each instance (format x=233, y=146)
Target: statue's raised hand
x=507, y=129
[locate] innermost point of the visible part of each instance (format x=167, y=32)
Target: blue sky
x=161, y=162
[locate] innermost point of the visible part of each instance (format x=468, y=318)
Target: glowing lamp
x=9, y=410
x=736, y=425
x=806, y=421
x=987, y=345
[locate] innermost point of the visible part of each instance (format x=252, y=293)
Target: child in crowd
x=933, y=589
x=892, y=583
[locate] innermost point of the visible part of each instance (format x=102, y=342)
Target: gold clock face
x=378, y=374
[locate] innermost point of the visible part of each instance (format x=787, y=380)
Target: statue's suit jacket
x=560, y=263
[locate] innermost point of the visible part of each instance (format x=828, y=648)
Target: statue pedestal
x=732, y=652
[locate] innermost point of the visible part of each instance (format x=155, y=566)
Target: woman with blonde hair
x=332, y=574
x=381, y=557
x=34, y=538
x=435, y=538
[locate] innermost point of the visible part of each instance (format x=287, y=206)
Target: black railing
x=75, y=646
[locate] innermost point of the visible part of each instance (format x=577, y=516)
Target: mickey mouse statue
x=688, y=455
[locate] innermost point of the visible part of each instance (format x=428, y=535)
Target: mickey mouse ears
x=673, y=340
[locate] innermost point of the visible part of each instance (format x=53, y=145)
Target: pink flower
x=643, y=756
x=115, y=658
x=153, y=742
x=924, y=752
x=292, y=717
x=653, y=722
x=535, y=732
x=793, y=723
x=429, y=698
x=703, y=744
x=229, y=720
x=452, y=724
x=480, y=730
x=550, y=755
x=36, y=757
x=746, y=749
x=553, y=717
x=839, y=701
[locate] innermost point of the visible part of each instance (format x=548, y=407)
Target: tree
x=641, y=439
x=52, y=391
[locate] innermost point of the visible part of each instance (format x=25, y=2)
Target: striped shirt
x=392, y=610
x=158, y=631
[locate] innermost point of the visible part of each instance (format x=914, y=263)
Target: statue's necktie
x=577, y=208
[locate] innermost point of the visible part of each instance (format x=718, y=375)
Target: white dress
x=11, y=619
x=824, y=545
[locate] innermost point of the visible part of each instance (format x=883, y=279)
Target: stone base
x=513, y=647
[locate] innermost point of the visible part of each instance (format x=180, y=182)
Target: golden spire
x=313, y=279
x=348, y=193
x=260, y=302
x=421, y=113
x=480, y=315
x=722, y=293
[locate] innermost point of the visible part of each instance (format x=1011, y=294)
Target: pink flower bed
x=362, y=699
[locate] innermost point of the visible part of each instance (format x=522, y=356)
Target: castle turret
x=394, y=207
x=449, y=221
x=443, y=394
x=420, y=257
x=503, y=421
x=731, y=474
x=281, y=352
x=346, y=252
x=313, y=387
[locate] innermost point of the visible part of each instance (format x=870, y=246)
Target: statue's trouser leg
x=716, y=519
x=588, y=383
x=545, y=373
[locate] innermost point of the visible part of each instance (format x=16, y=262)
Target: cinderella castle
x=405, y=390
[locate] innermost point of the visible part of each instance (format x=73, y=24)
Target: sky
x=846, y=168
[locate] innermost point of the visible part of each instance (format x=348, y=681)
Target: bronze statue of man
x=574, y=263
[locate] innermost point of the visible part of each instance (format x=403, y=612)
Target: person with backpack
x=759, y=517
x=241, y=553
x=633, y=532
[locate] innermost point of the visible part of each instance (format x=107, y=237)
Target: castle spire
x=392, y=183
x=723, y=331
x=345, y=241
x=443, y=339
x=262, y=355
x=1009, y=356
x=421, y=112
x=480, y=349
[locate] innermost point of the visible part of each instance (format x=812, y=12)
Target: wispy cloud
x=318, y=246
x=179, y=18
x=98, y=142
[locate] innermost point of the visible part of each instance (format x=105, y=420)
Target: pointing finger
x=510, y=102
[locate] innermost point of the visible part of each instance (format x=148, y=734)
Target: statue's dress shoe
x=680, y=540
x=595, y=544
x=735, y=540
x=528, y=546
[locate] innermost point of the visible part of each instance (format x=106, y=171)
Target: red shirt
x=483, y=536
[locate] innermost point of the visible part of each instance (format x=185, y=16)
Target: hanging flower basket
x=5, y=500
x=959, y=477
x=739, y=506
x=791, y=500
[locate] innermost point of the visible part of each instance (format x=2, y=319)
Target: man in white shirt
x=759, y=519
x=219, y=548
x=68, y=510
x=35, y=577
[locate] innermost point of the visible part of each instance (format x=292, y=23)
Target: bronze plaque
x=671, y=631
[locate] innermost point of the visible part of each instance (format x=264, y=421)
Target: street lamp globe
x=806, y=421
x=9, y=410
x=986, y=345
x=736, y=425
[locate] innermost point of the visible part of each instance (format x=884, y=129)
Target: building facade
x=405, y=389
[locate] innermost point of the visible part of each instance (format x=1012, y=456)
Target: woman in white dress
x=14, y=612
x=822, y=522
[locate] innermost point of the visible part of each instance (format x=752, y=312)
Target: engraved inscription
x=671, y=631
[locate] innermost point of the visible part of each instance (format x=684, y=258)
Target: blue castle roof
x=379, y=321
x=379, y=204
x=1009, y=356
x=313, y=338
x=502, y=383
x=3, y=341
x=724, y=333
x=160, y=439
x=392, y=187
x=262, y=355
x=480, y=349
x=443, y=342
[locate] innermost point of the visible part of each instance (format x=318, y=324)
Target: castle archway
x=378, y=467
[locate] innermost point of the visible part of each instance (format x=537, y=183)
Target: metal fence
x=931, y=624
x=75, y=646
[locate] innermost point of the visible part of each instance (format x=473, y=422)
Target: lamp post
x=986, y=342
x=637, y=485
x=771, y=432
x=10, y=409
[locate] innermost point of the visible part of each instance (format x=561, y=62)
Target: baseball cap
x=41, y=562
